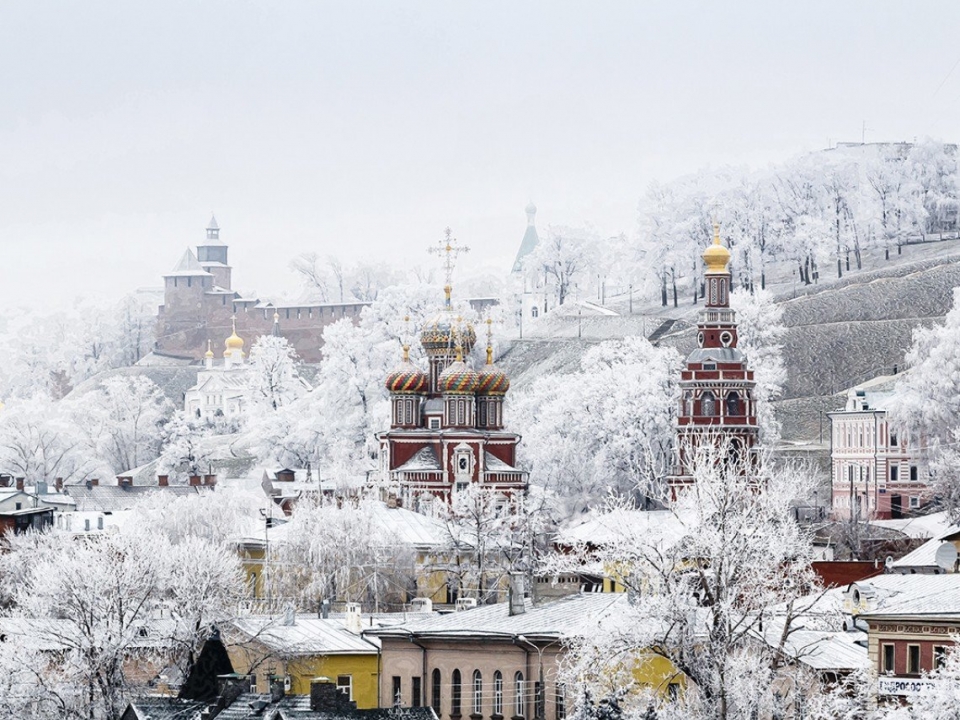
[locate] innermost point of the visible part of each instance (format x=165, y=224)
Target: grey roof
x=494, y=464
x=112, y=498
x=822, y=650
x=164, y=708
x=309, y=635
x=928, y=595
x=425, y=459
x=250, y=706
x=188, y=266
x=527, y=246
x=564, y=618
x=212, y=225
x=724, y=355
x=925, y=555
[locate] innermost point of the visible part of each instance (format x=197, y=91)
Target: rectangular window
x=673, y=691
x=939, y=656
x=887, y=651
x=395, y=697
x=561, y=701
x=345, y=685
x=434, y=423
x=416, y=691
x=913, y=659
x=252, y=678
x=913, y=473
x=538, y=699
x=894, y=473
x=914, y=503
x=893, y=439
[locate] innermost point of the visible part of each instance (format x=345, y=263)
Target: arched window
x=498, y=693
x=455, y=694
x=708, y=404
x=518, y=689
x=435, y=691
x=534, y=311
x=477, y=692
x=733, y=403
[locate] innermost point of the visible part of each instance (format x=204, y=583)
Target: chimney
x=58, y=484
x=20, y=483
x=325, y=697
x=353, y=620
x=516, y=594
x=392, y=500
x=210, y=480
x=41, y=487
x=124, y=481
x=94, y=482
x=195, y=480
x=324, y=609
x=6, y=480
x=163, y=481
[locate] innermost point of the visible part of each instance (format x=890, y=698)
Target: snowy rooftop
x=188, y=266
x=567, y=617
x=307, y=635
x=925, y=555
x=921, y=527
x=655, y=526
x=424, y=460
x=101, y=498
x=836, y=651
x=930, y=595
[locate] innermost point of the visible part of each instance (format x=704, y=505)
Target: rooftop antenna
x=449, y=249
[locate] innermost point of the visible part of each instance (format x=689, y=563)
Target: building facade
x=875, y=473
x=716, y=386
x=221, y=391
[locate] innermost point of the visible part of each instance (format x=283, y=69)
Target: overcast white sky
x=365, y=128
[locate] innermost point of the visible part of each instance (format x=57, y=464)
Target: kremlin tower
x=446, y=428
x=716, y=387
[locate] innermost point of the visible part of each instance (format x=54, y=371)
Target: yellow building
x=299, y=648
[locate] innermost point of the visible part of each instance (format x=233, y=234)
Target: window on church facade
x=733, y=404
x=708, y=404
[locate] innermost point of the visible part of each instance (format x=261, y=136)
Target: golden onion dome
x=209, y=353
x=716, y=256
x=234, y=342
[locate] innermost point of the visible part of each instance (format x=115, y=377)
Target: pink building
x=874, y=471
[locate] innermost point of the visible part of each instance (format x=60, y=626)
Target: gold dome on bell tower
x=716, y=256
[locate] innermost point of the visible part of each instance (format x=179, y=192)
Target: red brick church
x=716, y=387
x=446, y=429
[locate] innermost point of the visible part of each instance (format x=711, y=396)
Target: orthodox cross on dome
x=449, y=249
x=489, y=322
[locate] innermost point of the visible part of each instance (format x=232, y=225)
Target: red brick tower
x=716, y=388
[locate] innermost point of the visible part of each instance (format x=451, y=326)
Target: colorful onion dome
x=492, y=380
x=458, y=379
x=441, y=334
x=716, y=256
x=407, y=378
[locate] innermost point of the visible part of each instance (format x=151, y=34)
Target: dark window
x=913, y=473
x=913, y=659
x=708, y=404
x=538, y=698
x=733, y=404
x=561, y=701
x=345, y=685
x=888, y=658
x=939, y=656
x=498, y=693
x=455, y=694
x=893, y=439
x=435, y=692
x=395, y=696
x=19, y=506
x=673, y=691
x=894, y=473
x=417, y=680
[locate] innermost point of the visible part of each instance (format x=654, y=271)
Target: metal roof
x=188, y=266
x=567, y=617
x=308, y=635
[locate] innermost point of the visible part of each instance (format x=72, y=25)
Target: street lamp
x=540, y=705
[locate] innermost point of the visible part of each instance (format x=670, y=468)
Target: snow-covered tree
x=337, y=551
x=274, y=379
x=759, y=335
x=564, y=257
x=123, y=420
x=41, y=442
x=729, y=565
x=185, y=451
x=607, y=426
